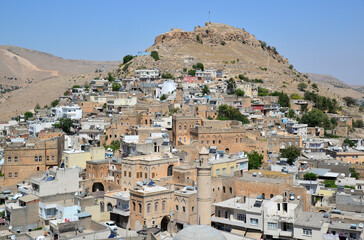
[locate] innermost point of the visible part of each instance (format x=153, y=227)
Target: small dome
x=199, y=232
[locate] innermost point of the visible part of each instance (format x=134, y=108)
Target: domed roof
x=199, y=232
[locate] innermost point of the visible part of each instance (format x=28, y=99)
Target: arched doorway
x=164, y=223
x=97, y=187
x=170, y=170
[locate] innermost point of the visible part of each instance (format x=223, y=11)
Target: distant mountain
x=337, y=86
x=28, y=77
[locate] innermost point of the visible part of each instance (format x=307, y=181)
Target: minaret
x=179, y=93
x=204, y=188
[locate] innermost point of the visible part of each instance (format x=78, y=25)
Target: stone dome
x=199, y=232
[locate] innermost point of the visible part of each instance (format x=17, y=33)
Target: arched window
x=15, y=159
x=163, y=205
x=9, y=159
x=140, y=207
x=134, y=206
x=40, y=158
x=148, y=208
x=156, y=207
x=109, y=207
x=146, y=121
x=263, y=195
x=271, y=196
x=35, y=158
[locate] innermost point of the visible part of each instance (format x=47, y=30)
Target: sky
x=318, y=36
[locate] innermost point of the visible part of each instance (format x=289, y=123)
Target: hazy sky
x=316, y=36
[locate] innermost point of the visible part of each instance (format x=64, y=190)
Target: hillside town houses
x=157, y=154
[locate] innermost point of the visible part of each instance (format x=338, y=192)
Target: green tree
x=226, y=112
x=65, y=124
x=330, y=184
x=200, y=66
x=314, y=85
x=205, y=90
x=316, y=118
x=173, y=110
x=37, y=106
x=116, y=86
x=167, y=75
x=114, y=145
x=358, y=123
x=127, y=59
x=291, y=114
x=154, y=55
x=283, y=99
x=239, y=93
x=254, y=160
x=110, y=77
x=55, y=103
x=243, y=77
x=231, y=86
x=291, y=153
x=349, y=101
x=349, y=142
x=290, y=66
x=310, y=176
x=28, y=115
x=163, y=97
x=184, y=70
x=263, y=91
x=192, y=72
x=354, y=173
x=198, y=39
x=302, y=86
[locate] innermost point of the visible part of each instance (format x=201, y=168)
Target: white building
x=147, y=73
x=72, y=112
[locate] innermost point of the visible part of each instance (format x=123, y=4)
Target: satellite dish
x=12, y=237
x=10, y=227
x=76, y=193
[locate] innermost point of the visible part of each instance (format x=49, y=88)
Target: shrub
x=154, y=55
x=310, y=176
x=263, y=91
x=239, y=93
x=296, y=96
x=65, y=124
x=330, y=184
x=116, y=86
x=198, y=39
x=223, y=42
x=243, y=77
x=231, y=86
x=28, y=115
x=167, y=75
x=110, y=77
x=290, y=66
x=302, y=86
x=263, y=44
x=199, y=66
x=314, y=85
x=127, y=59
x=184, y=69
x=54, y=103
x=163, y=97
x=349, y=142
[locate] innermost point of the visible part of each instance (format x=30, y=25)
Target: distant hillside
x=335, y=85
x=28, y=77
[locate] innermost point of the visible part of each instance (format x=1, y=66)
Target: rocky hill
x=28, y=77
x=221, y=46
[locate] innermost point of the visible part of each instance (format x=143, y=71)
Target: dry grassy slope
x=41, y=77
x=334, y=85
x=232, y=49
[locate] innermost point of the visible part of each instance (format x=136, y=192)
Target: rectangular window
x=176, y=207
x=48, y=158
x=272, y=225
x=52, y=158
x=146, y=175
x=10, y=175
x=307, y=232
x=9, y=159
x=223, y=170
x=184, y=209
x=253, y=221
x=124, y=173
x=129, y=174
x=241, y=217
x=217, y=171
x=16, y=174
x=279, y=206
x=231, y=169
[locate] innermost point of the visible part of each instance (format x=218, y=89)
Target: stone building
x=23, y=160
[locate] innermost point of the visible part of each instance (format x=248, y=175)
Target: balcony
x=123, y=212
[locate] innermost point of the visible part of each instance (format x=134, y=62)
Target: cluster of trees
x=350, y=101
x=302, y=86
x=110, y=77
x=65, y=124
x=264, y=45
x=246, y=79
x=321, y=102
x=358, y=124
x=283, y=99
x=163, y=97
x=263, y=91
x=231, y=86
x=316, y=118
x=114, y=145
x=116, y=86
x=127, y=58
x=226, y=112
x=198, y=66
x=310, y=176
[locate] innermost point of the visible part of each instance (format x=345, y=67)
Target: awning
x=253, y=235
x=238, y=232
